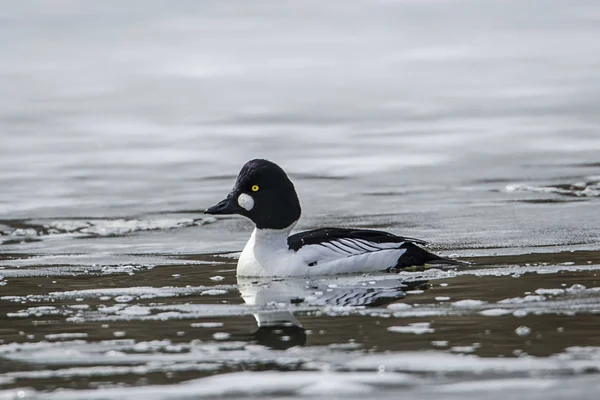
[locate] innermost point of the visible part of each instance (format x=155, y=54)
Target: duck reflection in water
x=279, y=299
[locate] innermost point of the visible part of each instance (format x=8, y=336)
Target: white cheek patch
x=246, y=201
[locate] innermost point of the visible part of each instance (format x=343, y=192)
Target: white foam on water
x=29, y=268
x=541, y=388
x=34, y=346
x=417, y=328
x=135, y=311
x=137, y=292
x=335, y=387
x=128, y=352
x=552, y=292
x=434, y=274
x=112, y=370
x=79, y=306
x=157, y=312
x=331, y=385
x=65, y=336
x=221, y=335
x=495, y=312
x=399, y=306
x=574, y=360
x=523, y=330
x=588, y=190
x=498, y=384
x=435, y=361
x=464, y=349
x=105, y=227
x=469, y=303
x=250, y=384
x=5, y=380
x=206, y=324
x=520, y=300
x=94, y=262
x=583, y=301
x=213, y=292
x=122, y=357
x=51, y=271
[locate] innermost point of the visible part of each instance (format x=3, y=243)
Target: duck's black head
x=264, y=193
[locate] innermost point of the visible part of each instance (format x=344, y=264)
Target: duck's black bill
x=226, y=206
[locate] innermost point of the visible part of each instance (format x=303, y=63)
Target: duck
x=264, y=193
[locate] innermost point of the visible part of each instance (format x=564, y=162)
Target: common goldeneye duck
x=264, y=194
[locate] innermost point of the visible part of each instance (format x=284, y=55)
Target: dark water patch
x=20, y=241
x=386, y=194
x=588, y=165
x=14, y=256
x=548, y=201
x=485, y=181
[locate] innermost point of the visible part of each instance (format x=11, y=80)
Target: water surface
x=472, y=125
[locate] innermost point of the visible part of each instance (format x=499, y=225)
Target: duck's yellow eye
x=255, y=188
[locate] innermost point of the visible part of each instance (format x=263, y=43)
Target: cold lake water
x=474, y=125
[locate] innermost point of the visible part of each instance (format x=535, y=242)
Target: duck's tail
x=416, y=256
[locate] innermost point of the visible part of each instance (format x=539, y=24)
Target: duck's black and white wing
x=336, y=250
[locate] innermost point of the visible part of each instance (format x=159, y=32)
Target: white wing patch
x=351, y=255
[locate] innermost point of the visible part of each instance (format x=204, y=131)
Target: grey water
x=471, y=124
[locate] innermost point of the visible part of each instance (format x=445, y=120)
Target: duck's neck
x=272, y=238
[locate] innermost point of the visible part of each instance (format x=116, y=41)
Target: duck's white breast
x=268, y=254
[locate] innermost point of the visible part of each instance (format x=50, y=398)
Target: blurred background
x=472, y=124
x=112, y=107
